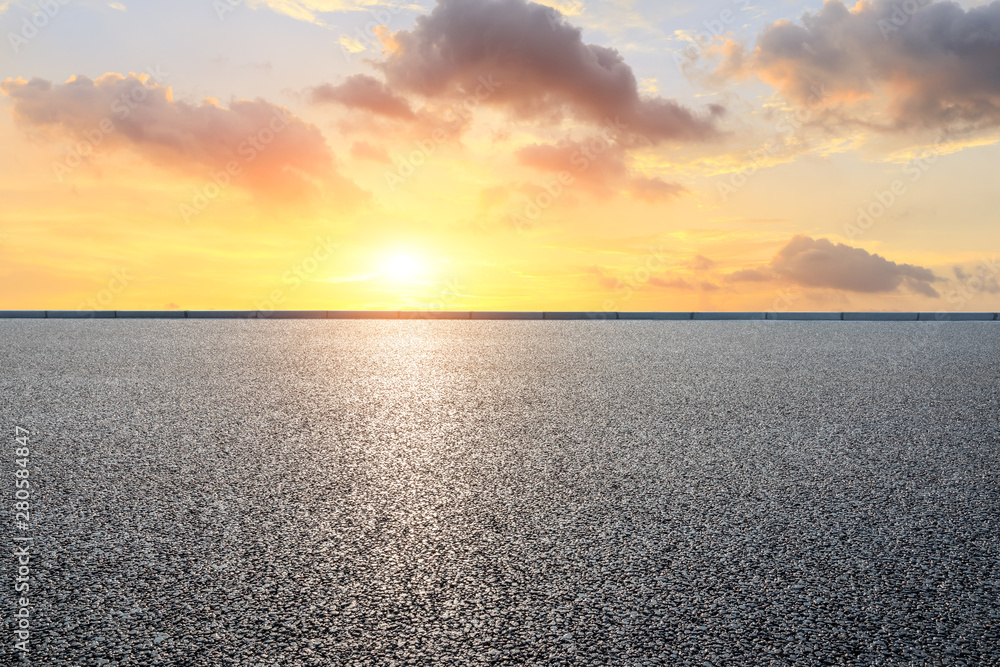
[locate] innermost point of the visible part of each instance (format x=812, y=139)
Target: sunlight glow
x=403, y=267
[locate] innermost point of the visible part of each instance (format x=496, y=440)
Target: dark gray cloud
x=364, y=92
x=525, y=57
x=820, y=263
x=893, y=65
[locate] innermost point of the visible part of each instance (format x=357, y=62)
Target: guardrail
x=500, y=315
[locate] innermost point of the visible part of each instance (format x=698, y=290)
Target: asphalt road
x=399, y=492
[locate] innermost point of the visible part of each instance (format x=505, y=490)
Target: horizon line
x=878, y=316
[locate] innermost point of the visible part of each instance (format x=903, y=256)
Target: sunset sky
x=499, y=155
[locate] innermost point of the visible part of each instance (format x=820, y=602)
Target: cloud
x=604, y=278
x=894, y=66
x=668, y=282
x=677, y=283
x=311, y=10
x=749, y=276
x=362, y=150
x=364, y=92
x=981, y=280
x=493, y=196
x=277, y=153
x=654, y=190
x=608, y=279
x=819, y=263
x=351, y=45
x=600, y=170
x=701, y=263
x=526, y=58
x=598, y=164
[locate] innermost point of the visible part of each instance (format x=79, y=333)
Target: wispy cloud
x=349, y=279
x=310, y=10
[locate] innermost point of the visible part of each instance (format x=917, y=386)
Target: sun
x=402, y=266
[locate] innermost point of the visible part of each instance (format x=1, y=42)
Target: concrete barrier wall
x=84, y=314
x=362, y=314
x=497, y=315
x=580, y=315
x=716, y=316
x=222, y=314
x=291, y=314
x=506, y=315
x=433, y=315
x=807, y=317
x=957, y=317
x=19, y=314
x=881, y=317
x=151, y=314
x=654, y=316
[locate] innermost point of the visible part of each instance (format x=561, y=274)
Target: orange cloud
x=362, y=150
x=259, y=144
x=600, y=165
x=652, y=190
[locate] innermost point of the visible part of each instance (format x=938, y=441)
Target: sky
x=607, y=155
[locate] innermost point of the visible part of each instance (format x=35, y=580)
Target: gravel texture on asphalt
x=470, y=493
